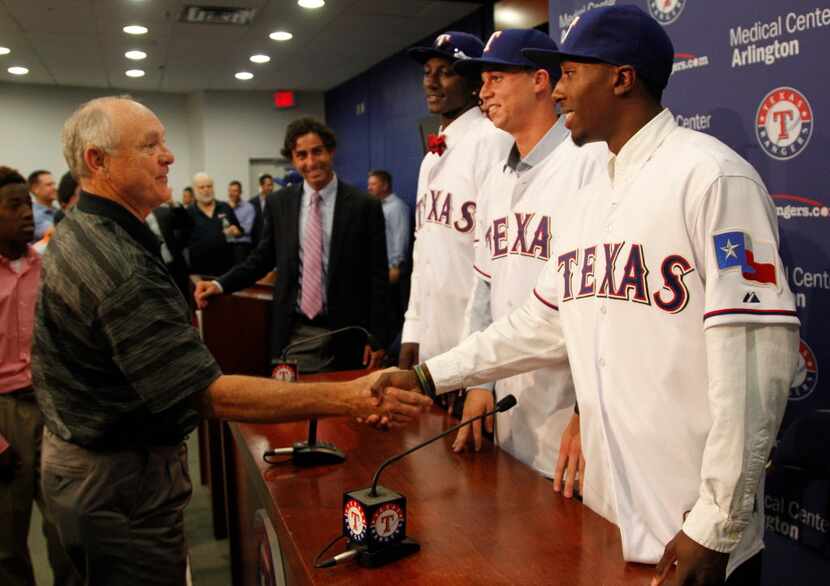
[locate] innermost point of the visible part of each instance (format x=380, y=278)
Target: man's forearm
x=749, y=370
x=260, y=400
x=527, y=339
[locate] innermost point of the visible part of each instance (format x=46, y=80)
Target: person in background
x=21, y=422
x=397, y=216
x=187, y=196
x=214, y=224
x=328, y=242
x=43, y=191
x=266, y=186
x=246, y=214
x=172, y=224
x=68, y=192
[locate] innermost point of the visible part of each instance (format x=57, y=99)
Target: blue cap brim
x=424, y=54
x=468, y=67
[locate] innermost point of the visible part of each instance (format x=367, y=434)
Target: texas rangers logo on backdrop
x=784, y=123
x=756, y=261
x=666, y=11
x=807, y=375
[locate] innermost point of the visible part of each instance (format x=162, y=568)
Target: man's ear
x=625, y=77
x=94, y=158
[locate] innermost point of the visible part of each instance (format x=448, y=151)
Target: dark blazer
x=256, y=229
x=176, y=224
x=358, y=273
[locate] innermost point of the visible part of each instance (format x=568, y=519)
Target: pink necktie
x=312, y=301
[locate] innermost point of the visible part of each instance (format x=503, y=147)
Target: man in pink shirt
x=21, y=423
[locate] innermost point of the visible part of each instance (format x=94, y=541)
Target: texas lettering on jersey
x=527, y=234
x=614, y=270
x=436, y=207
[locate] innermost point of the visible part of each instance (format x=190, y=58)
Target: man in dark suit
x=327, y=240
x=266, y=186
x=174, y=225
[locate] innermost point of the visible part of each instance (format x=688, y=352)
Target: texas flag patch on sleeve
x=756, y=261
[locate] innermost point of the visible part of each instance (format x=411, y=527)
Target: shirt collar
x=138, y=230
x=555, y=136
x=389, y=199
x=461, y=125
x=328, y=192
x=29, y=258
x=638, y=150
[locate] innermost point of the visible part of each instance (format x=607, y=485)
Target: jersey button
x=602, y=362
x=603, y=310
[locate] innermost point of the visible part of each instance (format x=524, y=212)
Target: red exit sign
x=284, y=99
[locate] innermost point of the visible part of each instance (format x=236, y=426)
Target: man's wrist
x=425, y=380
x=218, y=286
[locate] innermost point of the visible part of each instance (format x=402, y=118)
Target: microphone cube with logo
x=375, y=525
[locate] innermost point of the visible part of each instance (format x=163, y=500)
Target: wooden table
x=482, y=518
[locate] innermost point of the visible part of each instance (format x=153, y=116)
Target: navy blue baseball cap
x=452, y=45
x=504, y=49
x=618, y=35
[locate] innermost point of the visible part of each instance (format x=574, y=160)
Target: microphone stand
x=311, y=452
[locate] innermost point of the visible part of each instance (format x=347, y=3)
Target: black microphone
x=374, y=519
x=311, y=452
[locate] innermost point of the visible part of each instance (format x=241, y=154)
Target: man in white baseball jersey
x=449, y=184
x=681, y=330
x=515, y=217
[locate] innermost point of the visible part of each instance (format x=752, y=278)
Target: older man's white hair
x=202, y=176
x=90, y=126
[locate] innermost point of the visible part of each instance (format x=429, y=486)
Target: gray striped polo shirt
x=114, y=352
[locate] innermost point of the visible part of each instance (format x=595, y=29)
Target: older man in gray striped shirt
x=121, y=375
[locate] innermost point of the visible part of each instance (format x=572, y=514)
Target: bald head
x=116, y=147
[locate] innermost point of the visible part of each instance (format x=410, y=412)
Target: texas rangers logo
x=490, y=41
x=666, y=11
x=807, y=373
x=387, y=522
x=355, y=520
x=441, y=40
x=784, y=123
x=569, y=29
x=285, y=372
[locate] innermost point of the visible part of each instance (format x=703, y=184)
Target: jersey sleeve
x=546, y=291
x=743, y=275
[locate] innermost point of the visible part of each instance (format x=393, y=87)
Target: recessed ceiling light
x=17, y=70
x=5, y=50
x=134, y=73
x=135, y=29
x=259, y=58
x=281, y=36
x=135, y=55
x=244, y=75
x=311, y=3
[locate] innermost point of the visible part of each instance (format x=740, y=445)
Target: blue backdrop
x=754, y=74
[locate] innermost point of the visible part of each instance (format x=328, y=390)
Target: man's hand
x=696, y=565
x=372, y=359
x=232, y=231
x=204, y=289
x=570, y=466
x=478, y=402
x=381, y=405
x=408, y=356
x=394, y=275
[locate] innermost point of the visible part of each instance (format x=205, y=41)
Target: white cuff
x=411, y=332
x=711, y=527
x=219, y=285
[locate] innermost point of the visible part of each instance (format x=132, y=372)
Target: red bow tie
x=436, y=143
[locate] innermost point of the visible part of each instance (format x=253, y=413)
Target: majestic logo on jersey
x=784, y=123
x=605, y=271
x=756, y=262
x=436, y=207
x=807, y=373
x=666, y=11
x=387, y=522
x=788, y=207
x=524, y=234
